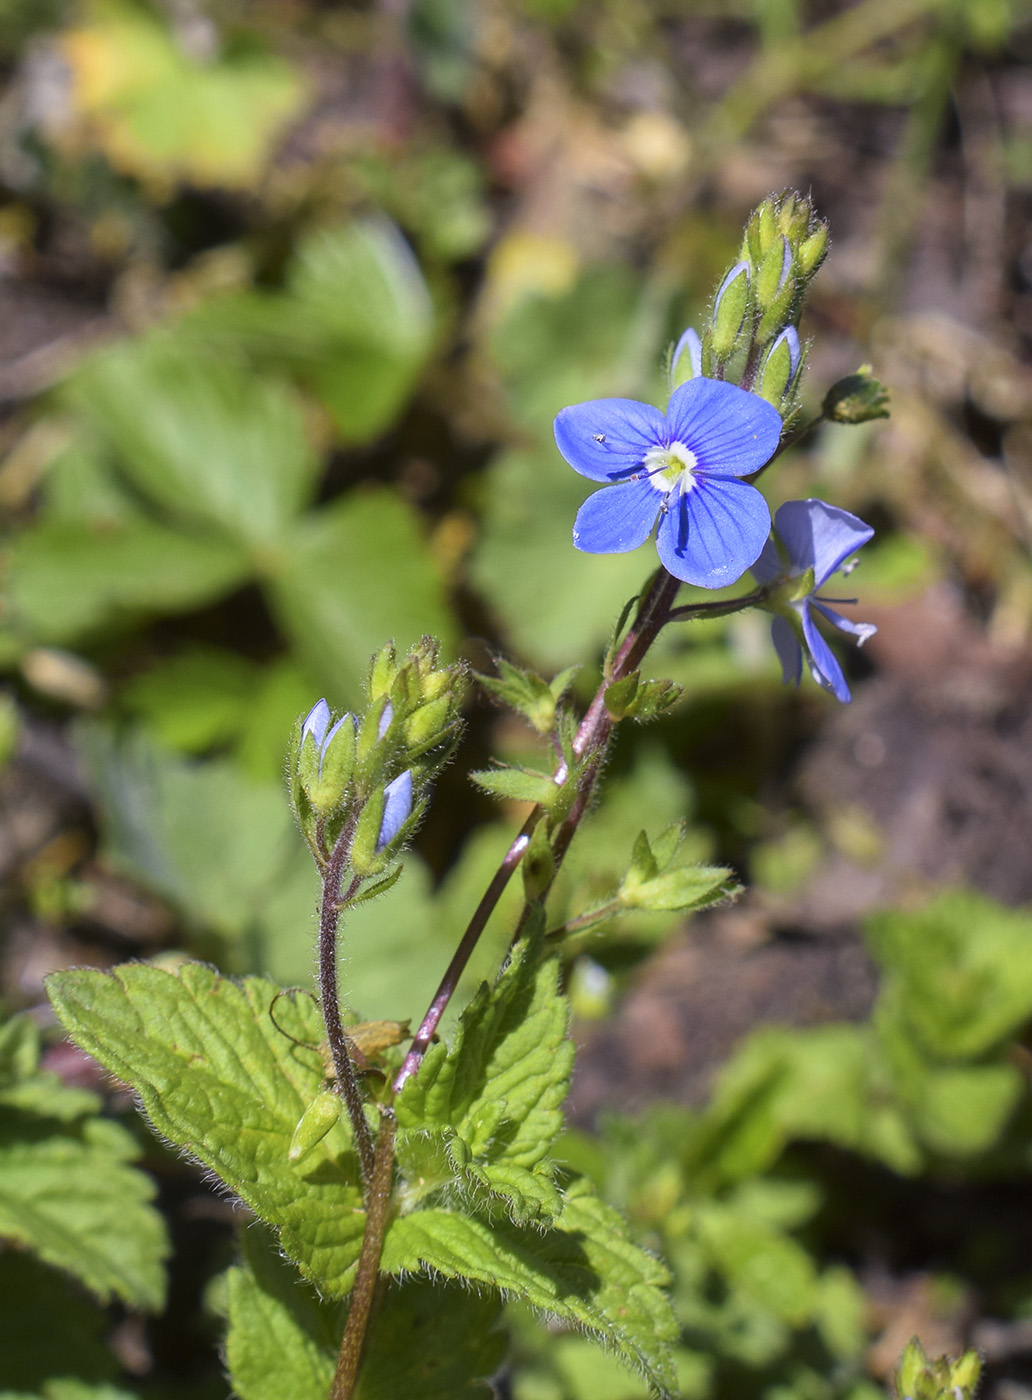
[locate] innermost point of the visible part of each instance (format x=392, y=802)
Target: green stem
x=341, y=1047
x=378, y=1199
x=592, y=738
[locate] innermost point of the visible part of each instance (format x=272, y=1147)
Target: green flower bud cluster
x=751, y=338
x=368, y=775
x=920, y=1378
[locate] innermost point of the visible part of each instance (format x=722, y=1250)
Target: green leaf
x=68, y=1190
x=513, y=783
x=553, y=600
x=535, y=699
x=829, y=1083
x=352, y=574
x=354, y=324
x=222, y=847
x=66, y=579
x=219, y=1075
x=428, y=1341
x=282, y=1339
x=163, y=114
x=201, y=437
x=583, y=1269
x=658, y=880
x=689, y=887
x=53, y=1334
x=500, y=1088
x=196, y=699
x=363, y=285
x=761, y=1263
x=958, y=972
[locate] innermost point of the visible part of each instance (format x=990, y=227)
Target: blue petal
x=824, y=666
x=605, y=439
x=315, y=722
x=818, y=536
x=729, y=431
x=769, y=566
x=617, y=518
x=790, y=653
x=712, y=533
x=860, y=630
x=396, y=808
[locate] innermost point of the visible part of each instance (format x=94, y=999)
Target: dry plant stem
x=592, y=737
x=378, y=1197
x=329, y=997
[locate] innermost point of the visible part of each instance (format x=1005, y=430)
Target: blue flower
x=813, y=541
x=682, y=467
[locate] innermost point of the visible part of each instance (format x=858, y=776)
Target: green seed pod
x=856, y=399
x=318, y=1119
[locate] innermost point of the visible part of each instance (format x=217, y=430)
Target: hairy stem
x=592, y=738
x=378, y=1197
x=341, y=1047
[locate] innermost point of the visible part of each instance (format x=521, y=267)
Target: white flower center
x=669, y=466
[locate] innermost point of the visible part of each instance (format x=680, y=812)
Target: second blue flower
x=682, y=467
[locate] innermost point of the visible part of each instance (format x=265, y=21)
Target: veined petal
x=729, y=430
x=860, y=630
x=617, y=518
x=824, y=666
x=397, y=806
x=818, y=536
x=712, y=533
x=606, y=439
x=789, y=651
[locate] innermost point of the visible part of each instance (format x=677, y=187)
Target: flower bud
x=326, y=757
x=428, y=726
x=397, y=808
x=686, y=361
x=812, y=252
x=773, y=273
x=382, y=671
x=729, y=309
x=780, y=369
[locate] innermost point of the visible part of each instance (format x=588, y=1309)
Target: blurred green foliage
x=344, y=283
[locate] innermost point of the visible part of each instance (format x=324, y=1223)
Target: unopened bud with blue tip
x=326, y=757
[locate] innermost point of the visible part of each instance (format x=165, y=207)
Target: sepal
x=729, y=311
x=528, y=693
x=660, y=880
